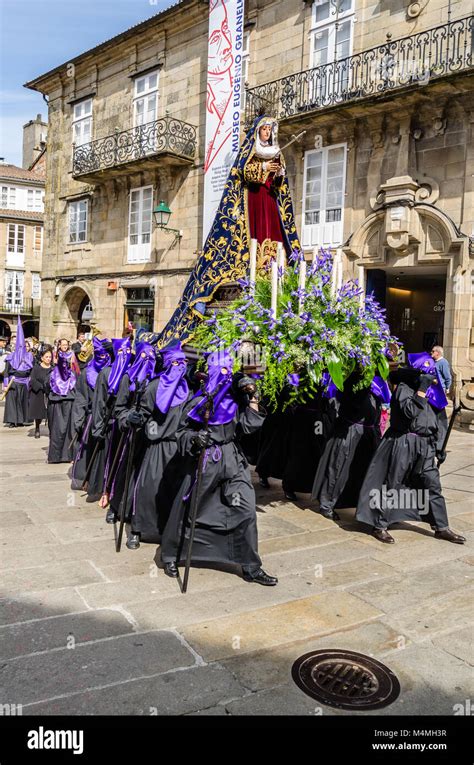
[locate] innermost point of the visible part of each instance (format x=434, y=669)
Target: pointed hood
x=143, y=366
x=122, y=361
x=100, y=359
x=173, y=387
x=225, y=407
x=20, y=359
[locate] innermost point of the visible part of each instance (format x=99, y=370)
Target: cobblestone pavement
x=87, y=630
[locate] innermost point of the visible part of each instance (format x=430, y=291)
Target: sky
x=38, y=35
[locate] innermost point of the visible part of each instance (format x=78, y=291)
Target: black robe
x=104, y=434
x=273, y=443
x=124, y=402
x=157, y=481
x=404, y=465
x=61, y=431
x=226, y=526
x=37, y=399
x=348, y=452
x=81, y=420
x=16, y=400
x=310, y=427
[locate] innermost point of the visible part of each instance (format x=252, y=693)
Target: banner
x=224, y=98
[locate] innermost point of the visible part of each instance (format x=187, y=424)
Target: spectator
x=76, y=347
x=442, y=366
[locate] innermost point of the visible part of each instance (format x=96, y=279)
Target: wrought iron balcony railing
x=24, y=306
x=413, y=60
x=163, y=136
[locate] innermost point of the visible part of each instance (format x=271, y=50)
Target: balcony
x=22, y=306
x=165, y=141
x=416, y=60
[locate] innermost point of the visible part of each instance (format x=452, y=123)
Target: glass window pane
x=322, y=10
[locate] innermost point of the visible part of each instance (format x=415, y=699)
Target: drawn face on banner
x=220, y=43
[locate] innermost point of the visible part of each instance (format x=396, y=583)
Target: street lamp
x=162, y=214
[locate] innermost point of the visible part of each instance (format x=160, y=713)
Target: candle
x=334, y=273
x=281, y=264
x=361, y=274
x=301, y=283
x=274, y=288
x=253, y=264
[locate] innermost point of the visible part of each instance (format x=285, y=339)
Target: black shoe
x=383, y=536
x=12, y=425
x=133, y=542
x=260, y=577
x=331, y=514
x=450, y=536
x=264, y=483
x=171, y=569
x=290, y=495
x=110, y=516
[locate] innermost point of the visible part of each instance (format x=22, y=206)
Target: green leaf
x=335, y=370
x=383, y=367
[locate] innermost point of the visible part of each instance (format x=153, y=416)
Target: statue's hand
x=272, y=167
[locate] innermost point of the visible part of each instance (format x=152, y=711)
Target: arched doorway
x=5, y=330
x=76, y=313
x=31, y=329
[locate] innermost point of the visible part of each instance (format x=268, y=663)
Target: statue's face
x=265, y=132
x=220, y=43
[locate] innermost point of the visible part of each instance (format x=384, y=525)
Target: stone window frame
x=72, y=205
x=307, y=236
x=38, y=239
x=146, y=93
x=35, y=196
x=35, y=285
x=144, y=245
x=82, y=119
x=330, y=24
x=11, y=276
x=8, y=201
x=13, y=243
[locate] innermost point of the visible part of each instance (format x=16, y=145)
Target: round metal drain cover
x=345, y=679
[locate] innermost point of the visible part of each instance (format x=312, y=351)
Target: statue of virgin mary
x=255, y=204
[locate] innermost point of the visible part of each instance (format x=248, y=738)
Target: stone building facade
x=383, y=173
x=21, y=247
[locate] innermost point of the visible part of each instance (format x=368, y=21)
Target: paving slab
x=174, y=693
x=61, y=631
x=46, y=676
x=307, y=617
x=403, y=590
x=40, y=604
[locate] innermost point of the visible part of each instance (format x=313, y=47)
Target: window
x=15, y=245
x=77, y=222
x=323, y=199
x=34, y=199
x=82, y=122
x=139, y=226
x=14, y=281
x=145, y=100
x=331, y=41
x=38, y=239
x=8, y=197
x=35, y=286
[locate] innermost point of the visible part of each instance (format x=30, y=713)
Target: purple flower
x=293, y=379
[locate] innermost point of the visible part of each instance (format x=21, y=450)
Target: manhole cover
x=345, y=679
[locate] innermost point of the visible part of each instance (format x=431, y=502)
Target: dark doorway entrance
x=414, y=300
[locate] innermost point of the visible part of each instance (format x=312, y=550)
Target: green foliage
x=314, y=331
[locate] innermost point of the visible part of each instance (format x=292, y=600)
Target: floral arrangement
x=314, y=329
